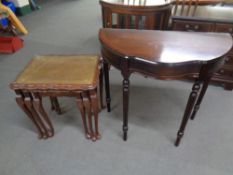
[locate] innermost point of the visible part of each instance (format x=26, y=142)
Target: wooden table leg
x=189, y=108
x=125, y=107
x=20, y=101
x=87, y=106
x=200, y=97
x=52, y=103
x=101, y=87
x=29, y=105
x=55, y=105
x=126, y=74
x=107, y=87
x=82, y=111
x=37, y=103
x=94, y=105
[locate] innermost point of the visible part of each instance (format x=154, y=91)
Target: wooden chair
x=131, y=16
x=185, y=7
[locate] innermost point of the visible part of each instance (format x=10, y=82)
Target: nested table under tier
x=56, y=76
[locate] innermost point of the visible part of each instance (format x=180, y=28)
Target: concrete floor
x=156, y=109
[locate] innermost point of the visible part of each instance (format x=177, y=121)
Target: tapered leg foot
x=179, y=137
x=98, y=136
x=125, y=129
x=108, y=105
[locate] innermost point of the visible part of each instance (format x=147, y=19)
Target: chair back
x=185, y=7
x=135, y=16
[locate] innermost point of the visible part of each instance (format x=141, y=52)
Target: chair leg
x=188, y=110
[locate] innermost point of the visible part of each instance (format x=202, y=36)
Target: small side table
x=55, y=76
x=165, y=55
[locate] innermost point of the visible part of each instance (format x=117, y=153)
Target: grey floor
x=156, y=108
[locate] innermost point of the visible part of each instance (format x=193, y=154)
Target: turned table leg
x=125, y=107
x=200, y=97
x=94, y=105
x=37, y=103
x=188, y=110
x=107, y=88
x=21, y=103
x=126, y=74
x=82, y=111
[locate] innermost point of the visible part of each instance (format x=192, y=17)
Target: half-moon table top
x=166, y=46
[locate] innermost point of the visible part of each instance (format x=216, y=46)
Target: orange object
x=13, y=19
x=10, y=44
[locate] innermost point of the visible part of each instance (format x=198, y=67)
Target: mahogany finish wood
x=185, y=7
x=55, y=76
x=200, y=2
x=142, y=14
x=210, y=19
x=165, y=55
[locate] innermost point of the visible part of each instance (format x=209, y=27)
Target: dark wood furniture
x=55, y=76
x=185, y=7
x=142, y=14
x=200, y=2
x=211, y=19
x=164, y=55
